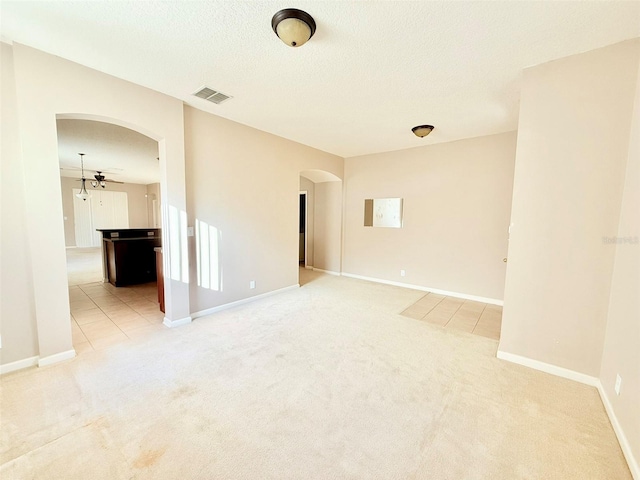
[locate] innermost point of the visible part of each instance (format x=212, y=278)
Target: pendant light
x=83, y=189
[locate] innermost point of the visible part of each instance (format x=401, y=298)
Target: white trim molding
x=19, y=365
x=548, y=368
x=167, y=322
x=58, y=357
x=330, y=272
x=226, y=306
x=632, y=461
x=465, y=296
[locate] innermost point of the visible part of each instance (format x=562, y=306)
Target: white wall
x=47, y=87
x=328, y=226
x=136, y=199
x=457, y=200
x=17, y=309
x=621, y=352
x=246, y=183
x=573, y=141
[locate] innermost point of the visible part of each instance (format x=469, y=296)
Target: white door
x=109, y=210
x=103, y=209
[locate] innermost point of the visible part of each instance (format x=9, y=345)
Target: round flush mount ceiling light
x=294, y=27
x=422, y=130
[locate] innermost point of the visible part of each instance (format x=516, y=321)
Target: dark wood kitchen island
x=128, y=256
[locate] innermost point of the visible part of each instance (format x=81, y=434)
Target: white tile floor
x=103, y=315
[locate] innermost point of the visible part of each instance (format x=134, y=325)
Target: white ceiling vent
x=212, y=95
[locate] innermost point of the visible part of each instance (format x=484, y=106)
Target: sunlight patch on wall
x=178, y=262
x=207, y=256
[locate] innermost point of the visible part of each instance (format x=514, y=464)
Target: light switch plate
x=189, y=231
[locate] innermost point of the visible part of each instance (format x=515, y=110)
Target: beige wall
x=621, y=352
x=17, y=310
x=573, y=140
x=328, y=226
x=457, y=199
x=246, y=183
x=48, y=86
x=136, y=200
x=308, y=186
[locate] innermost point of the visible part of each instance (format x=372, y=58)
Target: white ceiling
x=372, y=71
x=121, y=154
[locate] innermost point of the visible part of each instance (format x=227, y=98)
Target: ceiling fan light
x=83, y=195
x=422, y=130
x=294, y=27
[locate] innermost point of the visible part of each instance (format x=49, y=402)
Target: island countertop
x=128, y=255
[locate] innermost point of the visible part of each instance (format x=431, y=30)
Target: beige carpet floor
x=323, y=382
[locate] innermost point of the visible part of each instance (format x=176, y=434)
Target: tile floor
x=103, y=315
x=458, y=314
x=84, y=265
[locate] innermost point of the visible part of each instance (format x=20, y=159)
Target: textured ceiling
x=372, y=71
x=120, y=153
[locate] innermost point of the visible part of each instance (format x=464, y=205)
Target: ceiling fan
x=100, y=180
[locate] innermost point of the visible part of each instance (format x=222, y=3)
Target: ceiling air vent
x=212, y=95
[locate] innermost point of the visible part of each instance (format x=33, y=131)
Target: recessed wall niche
x=383, y=212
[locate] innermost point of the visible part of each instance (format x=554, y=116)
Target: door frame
x=306, y=229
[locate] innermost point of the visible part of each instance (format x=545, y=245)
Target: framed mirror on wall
x=383, y=212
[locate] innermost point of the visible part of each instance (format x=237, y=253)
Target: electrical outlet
x=402, y=273
x=252, y=284
x=618, y=384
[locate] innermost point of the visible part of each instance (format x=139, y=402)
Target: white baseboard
x=19, y=365
x=632, y=461
x=176, y=323
x=549, y=368
x=37, y=361
x=309, y=267
x=58, y=357
x=226, y=306
x=476, y=298
x=330, y=272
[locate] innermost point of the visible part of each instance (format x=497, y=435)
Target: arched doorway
x=75, y=91
x=320, y=234
x=103, y=314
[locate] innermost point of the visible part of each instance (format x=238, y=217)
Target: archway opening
x=320, y=233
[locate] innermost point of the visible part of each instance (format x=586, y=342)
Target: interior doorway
x=302, y=230
x=120, y=172
x=320, y=224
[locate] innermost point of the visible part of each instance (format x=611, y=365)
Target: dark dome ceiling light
x=294, y=27
x=422, y=130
